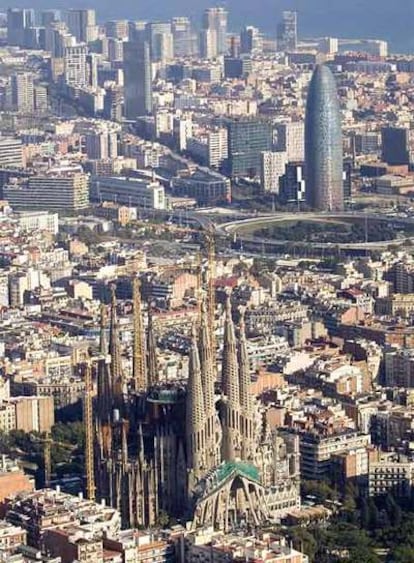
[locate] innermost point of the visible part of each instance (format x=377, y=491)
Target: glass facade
x=137, y=79
x=247, y=139
x=323, y=143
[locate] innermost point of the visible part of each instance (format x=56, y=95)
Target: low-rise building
x=11, y=537
x=396, y=305
x=205, y=186
x=206, y=546
x=129, y=191
x=391, y=473
x=318, y=452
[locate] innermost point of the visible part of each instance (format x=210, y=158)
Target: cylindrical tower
x=323, y=143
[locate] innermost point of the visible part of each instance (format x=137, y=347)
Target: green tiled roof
x=242, y=468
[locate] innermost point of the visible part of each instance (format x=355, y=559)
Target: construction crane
x=139, y=363
x=89, y=438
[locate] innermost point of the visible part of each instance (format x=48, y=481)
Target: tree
x=373, y=514
x=402, y=554
x=163, y=519
x=320, y=489
x=393, y=510
x=362, y=555
x=304, y=541
x=364, y=514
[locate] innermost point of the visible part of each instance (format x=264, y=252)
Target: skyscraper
x=137, y=79
x=323, y=143
x=247, y=139
x=397, y=145
x=250, y=40
x=215, y=21
x=183, y=40
x=287, y=32
x=22, y=92
x=160, y=40
x=75, y=67
x=82, y=24
x=290, y=138
x=18, y=20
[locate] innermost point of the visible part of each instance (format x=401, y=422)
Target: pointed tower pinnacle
x=208, y=380
x=246, y=403
x=103, y=345
x=211, y=295
x=230, y=390
x=114, y=350
x=139, y=364
x=104, y=384
x=195, y=413
x=152, y=368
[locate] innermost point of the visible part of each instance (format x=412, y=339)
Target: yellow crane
x=89, y=434
x=139, y=363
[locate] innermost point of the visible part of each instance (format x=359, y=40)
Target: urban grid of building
x=206, y=292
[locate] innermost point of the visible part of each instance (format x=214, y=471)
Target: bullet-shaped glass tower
x=323, y=143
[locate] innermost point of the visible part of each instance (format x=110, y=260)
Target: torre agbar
x=323, y=143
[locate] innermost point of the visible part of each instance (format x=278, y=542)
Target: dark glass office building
x=323, y=143
x=247, y=139
x=396, y=145
x=137, y=79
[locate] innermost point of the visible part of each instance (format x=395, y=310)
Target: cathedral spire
x=208, y=381
x=152, y=368
x=124, y=442
x=114, y=349
x=103, y=345
x=229, y=377
x=195, y=412
x=139, y=371
x=247, y=419
x=207, y=361
x=104, y=384
x=230, y=390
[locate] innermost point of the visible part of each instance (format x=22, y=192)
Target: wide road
x=243, y=227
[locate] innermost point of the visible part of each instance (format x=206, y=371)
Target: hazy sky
x=389, y=19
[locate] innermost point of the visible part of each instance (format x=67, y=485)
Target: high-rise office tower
x=250, y=40
x=92, y=69
x=137, y=79
x=293, y=183
x=215, y=20
x=18, y=20
x=82, y=24
x=75, y=66
x=208, y=44
x=160, y=40
x=287, y=32
x=118, y=29
x=290, y=138
x=113, y=103
x=182, y=36
x=47, y=17
x=57, y=38
x=397, y=145
x=41, y=102
x=247, y=139
x=101, y=145
x=22, y=94
x=323, y=143
x=272, y=169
